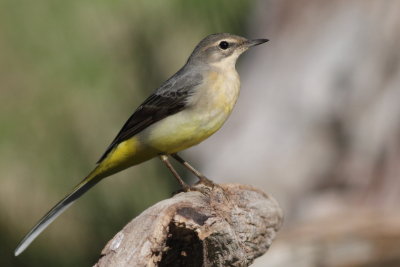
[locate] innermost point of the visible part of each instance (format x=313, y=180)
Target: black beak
x=255, y=42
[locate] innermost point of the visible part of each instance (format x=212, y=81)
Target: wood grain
x=227, y=225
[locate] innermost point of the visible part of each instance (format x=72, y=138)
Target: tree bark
x=226, y=225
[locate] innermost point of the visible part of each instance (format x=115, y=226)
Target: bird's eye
x=224, y=45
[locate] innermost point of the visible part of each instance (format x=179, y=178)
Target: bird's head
x=221, y=49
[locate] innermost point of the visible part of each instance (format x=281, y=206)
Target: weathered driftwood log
x=227, y=225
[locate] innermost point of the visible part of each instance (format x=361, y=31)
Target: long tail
x=93, y=178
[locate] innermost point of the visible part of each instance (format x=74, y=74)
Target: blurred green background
x=71, y=73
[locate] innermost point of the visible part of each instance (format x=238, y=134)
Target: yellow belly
x=207, y=111
x=211, y=107
x=182, y=130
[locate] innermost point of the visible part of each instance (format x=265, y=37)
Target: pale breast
x=220, y=91
x=206, y=112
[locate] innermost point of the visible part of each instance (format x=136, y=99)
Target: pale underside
x=206, y=112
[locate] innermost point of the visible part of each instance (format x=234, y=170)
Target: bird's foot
x=204, y=186
x=205, y=181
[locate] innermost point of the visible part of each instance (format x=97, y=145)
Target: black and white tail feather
x=59, y=208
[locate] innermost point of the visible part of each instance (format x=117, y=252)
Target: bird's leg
x=164, y=158
x=203, y=179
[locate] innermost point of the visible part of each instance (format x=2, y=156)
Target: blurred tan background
x=317, y=124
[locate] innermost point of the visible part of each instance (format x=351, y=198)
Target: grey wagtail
x=186, y=109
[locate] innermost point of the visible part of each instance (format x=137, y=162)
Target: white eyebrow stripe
x=229, y=40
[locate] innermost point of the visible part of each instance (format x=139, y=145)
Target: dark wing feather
x=169, y=99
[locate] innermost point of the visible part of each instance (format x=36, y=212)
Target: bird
x=185, y=110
